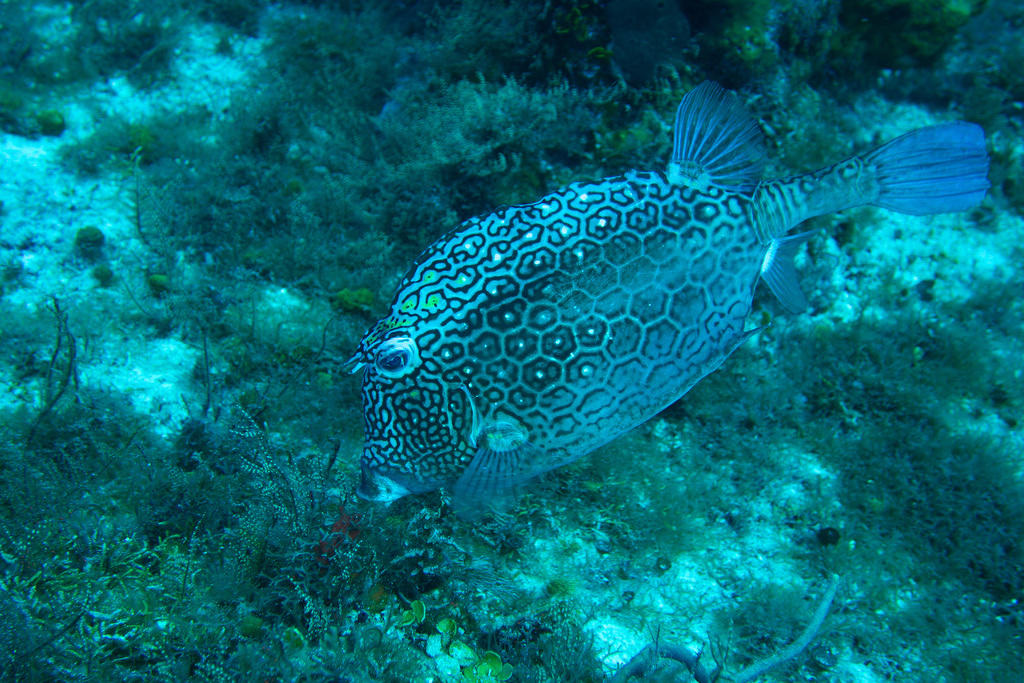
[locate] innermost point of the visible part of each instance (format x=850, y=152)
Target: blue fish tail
x=938, y=169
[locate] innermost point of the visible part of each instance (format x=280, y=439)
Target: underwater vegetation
x=204, y=205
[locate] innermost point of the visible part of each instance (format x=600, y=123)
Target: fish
x=525, y=339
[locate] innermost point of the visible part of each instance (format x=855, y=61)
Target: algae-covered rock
x=738, y=36
x=358, y=300
x=50, y=122
x=896, y=33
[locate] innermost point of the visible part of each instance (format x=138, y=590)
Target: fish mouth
x=379, y=488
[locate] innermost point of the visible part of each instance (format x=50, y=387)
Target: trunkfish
x=527, y=338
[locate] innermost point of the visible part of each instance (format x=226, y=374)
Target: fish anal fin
x=779, y=272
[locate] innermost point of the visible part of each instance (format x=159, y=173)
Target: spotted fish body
x=527, y=338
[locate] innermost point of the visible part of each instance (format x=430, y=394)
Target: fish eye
x=397, y=356
x=394, y=361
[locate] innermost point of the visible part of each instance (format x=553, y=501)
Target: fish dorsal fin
x=716, y=141
x=779, y=272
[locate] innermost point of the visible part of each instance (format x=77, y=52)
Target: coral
x=89, y=241
x=103, y=275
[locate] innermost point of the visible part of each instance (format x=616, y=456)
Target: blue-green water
x=204, y=206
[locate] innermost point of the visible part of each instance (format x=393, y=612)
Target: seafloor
x=203, y=205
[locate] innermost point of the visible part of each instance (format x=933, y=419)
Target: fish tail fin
x=938, y=169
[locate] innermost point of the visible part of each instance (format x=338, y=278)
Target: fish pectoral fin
x=504, y=458
x=779, y=272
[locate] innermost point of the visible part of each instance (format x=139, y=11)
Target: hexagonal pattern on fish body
x=527, y=338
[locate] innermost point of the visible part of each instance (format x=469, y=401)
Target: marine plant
x=230, y=548
x=358, y=300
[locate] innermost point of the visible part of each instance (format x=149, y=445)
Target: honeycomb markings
x=560, y=310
